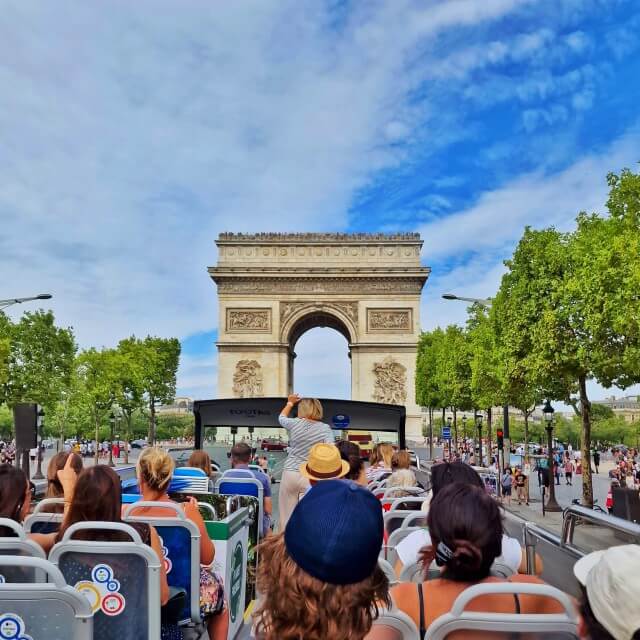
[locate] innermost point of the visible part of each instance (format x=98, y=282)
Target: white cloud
x=130, y=135
x=498, y=218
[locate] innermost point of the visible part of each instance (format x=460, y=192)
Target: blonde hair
x=310, y=408
x=385, y=453
x=401, y=460
x=155, y=467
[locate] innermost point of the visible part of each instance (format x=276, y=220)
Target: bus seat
x=394, y=540
x=43, y=522
x=409, y=503
x=388, y=570
x=180, y=539
x=392, y=624
x=416, y=519
x=189, y=479
x=393, y=520
x=414, y=572
x=42, y=610
x=119, y=578
x=243, y=486
x=18, y=545
x=459, y=623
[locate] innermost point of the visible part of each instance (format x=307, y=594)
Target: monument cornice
x=315, y=238
x=293, y=271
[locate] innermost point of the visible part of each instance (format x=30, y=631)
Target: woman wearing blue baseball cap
x=320, y=579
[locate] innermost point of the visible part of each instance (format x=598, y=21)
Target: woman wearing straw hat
x=304, y=431
x=324, y=463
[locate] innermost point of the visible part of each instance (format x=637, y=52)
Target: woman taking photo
x=304, y=431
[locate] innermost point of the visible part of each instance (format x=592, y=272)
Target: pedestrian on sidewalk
x=507, y=482
x=596, y=460
x=556, y=472
x=521, y=489
x=568, y=471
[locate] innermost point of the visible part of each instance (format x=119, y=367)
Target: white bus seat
x=526, y=625
x=393, y=624
x=42, y=610
x=418, y=501
x=180, y=540
x=19, y=545
x=389, y=549
x=48, y=502
x=207, y=511
x=416, y=519
x=122, y=578
x=389, y=571
x=43, y=522
x=393, y=520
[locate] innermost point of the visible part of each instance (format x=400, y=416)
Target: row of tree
x=567, y=311
x=80, y=392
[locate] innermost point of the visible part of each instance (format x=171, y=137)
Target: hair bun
x=466, y=556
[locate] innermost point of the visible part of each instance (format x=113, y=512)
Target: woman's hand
x=68, y=477
x=293, y=399
x=191, y=509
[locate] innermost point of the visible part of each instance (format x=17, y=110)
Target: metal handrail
x=575, y=512
x=532, y=533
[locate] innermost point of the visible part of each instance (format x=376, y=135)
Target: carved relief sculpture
x=350, y=309
x=247, y=379
x=389, y=320
x=239, y=320
x=390, y=384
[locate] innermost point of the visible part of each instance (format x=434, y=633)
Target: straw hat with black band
x=324, y=463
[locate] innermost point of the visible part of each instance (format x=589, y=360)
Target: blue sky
x=131, y=134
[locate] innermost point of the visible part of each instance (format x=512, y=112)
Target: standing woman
x=304, y=431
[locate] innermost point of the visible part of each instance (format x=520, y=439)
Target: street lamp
x=39, y=424
x=478, y=417
x=547, y=412
x=485, y=302
x=112, y=424
x=9, y=301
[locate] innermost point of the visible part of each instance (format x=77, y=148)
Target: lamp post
x=9, y=301
x=479, y=427
x=39, y=424
x=552, y=504
x=112, y=424
x=449, y=438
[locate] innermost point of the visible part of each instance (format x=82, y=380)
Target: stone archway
x=274, y=287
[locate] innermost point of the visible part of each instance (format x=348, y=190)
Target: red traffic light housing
x=500, y=434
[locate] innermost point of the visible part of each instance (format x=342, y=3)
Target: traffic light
x=500, y=433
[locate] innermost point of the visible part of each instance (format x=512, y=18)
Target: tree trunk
x=430, y=433
x=151, y=437
x=526, y=434
x=455, y=429
x=97, y=453
x=489, y=436
x=585, y=410
x=127, y=435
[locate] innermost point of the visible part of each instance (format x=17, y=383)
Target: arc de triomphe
x=273, y=287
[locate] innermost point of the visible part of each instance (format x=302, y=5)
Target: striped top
x=303, y=434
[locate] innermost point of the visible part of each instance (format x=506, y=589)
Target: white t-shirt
x=409, y=549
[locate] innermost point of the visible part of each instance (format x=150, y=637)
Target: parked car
x=273, y=444
x=139, y=444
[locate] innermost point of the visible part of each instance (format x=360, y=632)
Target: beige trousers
x=292, y=485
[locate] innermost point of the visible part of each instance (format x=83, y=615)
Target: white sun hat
x=612, y=580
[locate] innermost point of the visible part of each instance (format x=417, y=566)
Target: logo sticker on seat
x=168, y=565
x=12, y=627
x=102, y=591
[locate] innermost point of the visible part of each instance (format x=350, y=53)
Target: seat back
x=243, y=486
x=408, y=503
x=20, y=546
x=394, y=540
x=389, y=571
x=180, y=540
x=121, y=580
x=415, y=572
x=42, y=610
x=392, y=624
x=393, y=520
x=46, y=517
x=189, y=480
x=460, y=623
x=416, y=519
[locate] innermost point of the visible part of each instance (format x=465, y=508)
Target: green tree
x=98, y=386
x=428, y=393
x=40, y=359
x=160, y=360
x=130, y=373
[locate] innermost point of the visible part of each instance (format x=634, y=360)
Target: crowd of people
x=319, y=576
